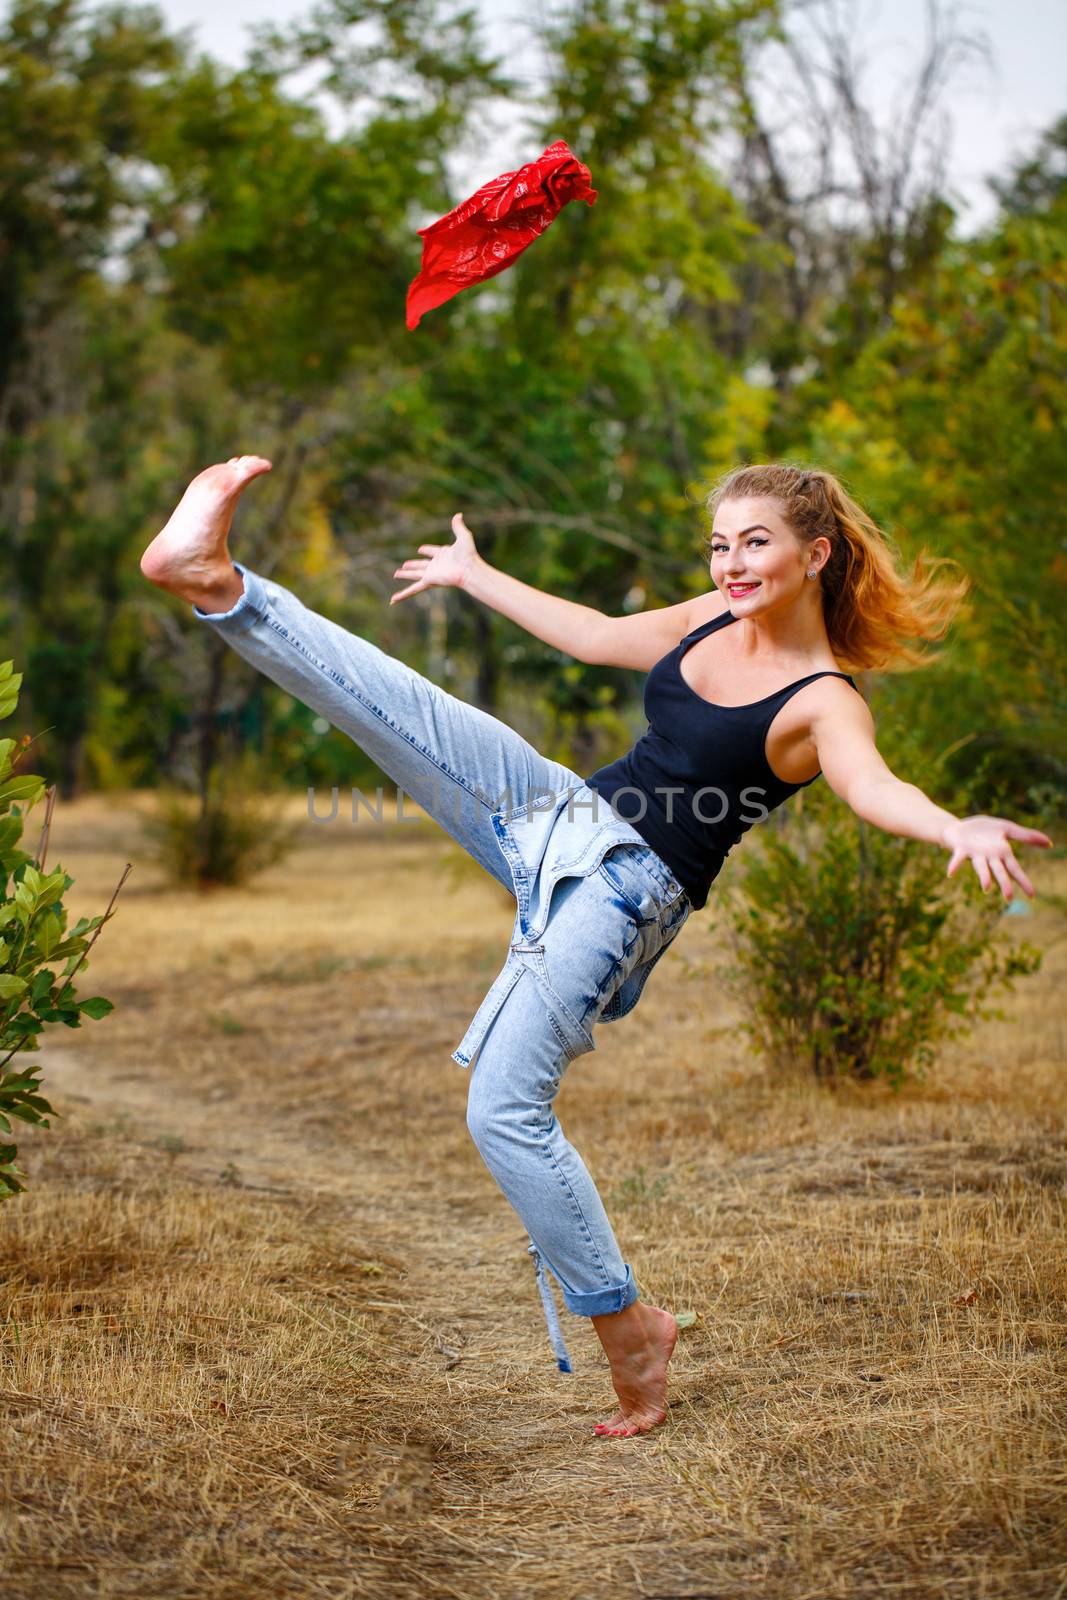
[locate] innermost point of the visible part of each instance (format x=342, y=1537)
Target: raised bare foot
x=639, y=1374
x=190, y=557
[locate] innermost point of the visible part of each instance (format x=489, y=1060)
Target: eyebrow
x=741, y=535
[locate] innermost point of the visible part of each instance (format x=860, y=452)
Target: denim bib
x=564, y=835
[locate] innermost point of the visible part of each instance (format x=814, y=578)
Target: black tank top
x=698, y=778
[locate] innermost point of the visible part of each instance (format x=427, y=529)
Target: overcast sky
x=995, y=109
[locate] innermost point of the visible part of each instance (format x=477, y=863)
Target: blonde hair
x=870, y=604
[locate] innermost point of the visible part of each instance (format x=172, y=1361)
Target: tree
x=849, y=212
x=176, y=217
x=565, y=406
x=951, y=422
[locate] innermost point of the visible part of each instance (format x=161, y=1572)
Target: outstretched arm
x=843, y=734
x=588, y=635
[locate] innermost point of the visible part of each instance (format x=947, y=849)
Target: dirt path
x=873, y=1276
x=466, y=1323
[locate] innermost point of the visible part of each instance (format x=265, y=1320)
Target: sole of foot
x=643, y=1395
x=189, y=555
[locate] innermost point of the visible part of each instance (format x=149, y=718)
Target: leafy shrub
x=33, y=934
x=225, y=837
x=854, y=954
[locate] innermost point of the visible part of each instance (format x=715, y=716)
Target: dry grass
x=268, y=1326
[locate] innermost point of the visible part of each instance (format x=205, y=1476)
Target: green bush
x=225, y=837
x=852, y=951
x=33, y=938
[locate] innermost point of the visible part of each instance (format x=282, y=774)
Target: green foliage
x=78, y=94
x=39, y=955
x=232, y=832
x=200, y=262
x=951, y=424
x=855, y=954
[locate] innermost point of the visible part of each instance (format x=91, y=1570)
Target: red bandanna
x=484, y=234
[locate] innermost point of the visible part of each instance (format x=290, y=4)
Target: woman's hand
x=984, y=840
x=443, y=565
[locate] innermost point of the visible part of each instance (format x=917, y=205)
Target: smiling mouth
x=741, y=588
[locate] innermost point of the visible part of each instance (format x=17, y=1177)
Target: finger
x=1015, y=830
x=958, y=856
x=1002, y=878
x=981, y=866
x=403, y=593
x=1018, y=874
x=431, y=549
x=410, y=567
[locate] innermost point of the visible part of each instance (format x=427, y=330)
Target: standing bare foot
x=639, y=1349
x=190, y=557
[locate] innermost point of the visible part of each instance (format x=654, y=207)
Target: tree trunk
x=487, y=681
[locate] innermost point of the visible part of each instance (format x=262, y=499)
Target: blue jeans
x=596, y=909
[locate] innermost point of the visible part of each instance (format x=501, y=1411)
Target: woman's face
x=757, y=561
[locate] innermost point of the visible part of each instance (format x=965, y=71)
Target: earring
x=811, y=572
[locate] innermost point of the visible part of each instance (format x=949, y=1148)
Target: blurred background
x=267, y=1325
x=824, y=234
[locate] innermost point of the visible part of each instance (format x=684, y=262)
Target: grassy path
x=268, y=1325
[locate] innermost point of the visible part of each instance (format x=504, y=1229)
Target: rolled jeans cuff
x=601, y=1302
x=249, y=608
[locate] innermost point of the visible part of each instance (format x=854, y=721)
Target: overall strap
x=555, y=1332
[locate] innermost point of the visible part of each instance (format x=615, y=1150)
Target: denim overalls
x=596, y=909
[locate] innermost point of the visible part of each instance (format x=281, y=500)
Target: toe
x=609, y=1422
x=248, y=467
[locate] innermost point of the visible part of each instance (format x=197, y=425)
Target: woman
x=747, y=702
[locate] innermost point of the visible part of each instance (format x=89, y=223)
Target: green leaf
x=20, y=788
x=42, y=985
x=11, y=986
x=39, y=1103
x=20, y=1080
x=21, y=1027
x=50, y=892
x=69, y=947
x=97, y=1006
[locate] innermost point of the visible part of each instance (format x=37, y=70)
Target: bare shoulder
x=835, y=713
x=640, y=640
x=705, y=608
